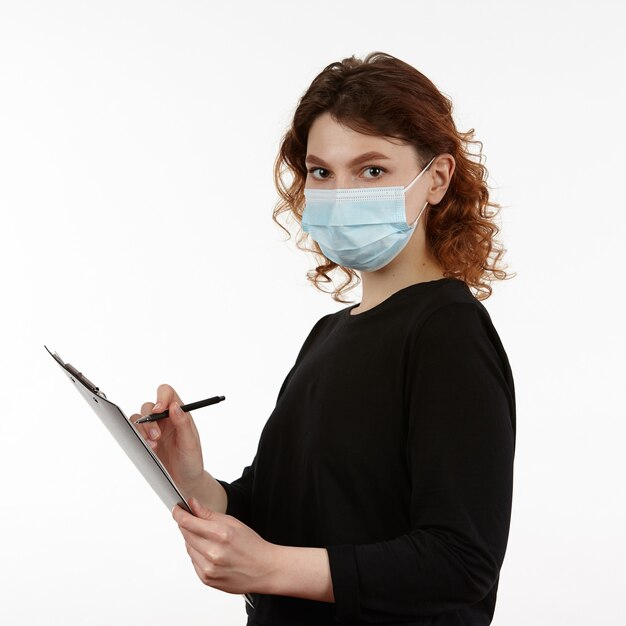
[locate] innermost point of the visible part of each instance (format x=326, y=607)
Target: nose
x=347, y=181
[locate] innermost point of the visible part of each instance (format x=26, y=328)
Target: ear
x=442, y=170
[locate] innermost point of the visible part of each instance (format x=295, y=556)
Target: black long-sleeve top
x=391, y=445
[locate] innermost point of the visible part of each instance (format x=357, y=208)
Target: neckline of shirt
x=393, y=297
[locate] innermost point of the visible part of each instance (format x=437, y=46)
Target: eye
x=369, y=168
x=374, y=167
x=313, y=169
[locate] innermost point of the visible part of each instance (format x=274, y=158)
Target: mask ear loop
x=411, y=184
x=415, y=179
x=420, y=214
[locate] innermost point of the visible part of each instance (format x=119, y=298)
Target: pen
x=153, y=417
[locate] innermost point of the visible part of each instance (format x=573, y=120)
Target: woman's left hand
x=226, y=554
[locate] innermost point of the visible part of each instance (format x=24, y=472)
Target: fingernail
x=156, y=408
x=154, y=433
x=177, y=410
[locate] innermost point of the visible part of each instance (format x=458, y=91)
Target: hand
x=226, y=554
x=176, y=441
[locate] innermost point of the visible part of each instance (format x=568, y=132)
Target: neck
x=403, y=271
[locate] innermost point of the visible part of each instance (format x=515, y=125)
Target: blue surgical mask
x=362, y=228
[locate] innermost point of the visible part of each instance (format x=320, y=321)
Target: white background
x=137, y=141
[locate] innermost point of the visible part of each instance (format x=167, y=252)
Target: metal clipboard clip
x=78, y=375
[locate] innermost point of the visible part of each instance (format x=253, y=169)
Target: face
x=337, y=158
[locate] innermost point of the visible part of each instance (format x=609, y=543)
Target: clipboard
x=130, y=440
x=127, y=436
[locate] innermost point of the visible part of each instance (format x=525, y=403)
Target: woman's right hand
x=174, y=439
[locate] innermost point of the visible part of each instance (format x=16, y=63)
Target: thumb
x=184, y=431
x=199, y=510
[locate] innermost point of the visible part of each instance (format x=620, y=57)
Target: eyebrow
x=364, y=157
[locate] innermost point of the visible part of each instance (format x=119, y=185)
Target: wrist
x=301, y=573
x=209, y=493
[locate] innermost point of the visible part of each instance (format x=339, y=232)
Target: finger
x=202, y=553
x=186, y=433
x=165, y=396
x=198, y=556
x=142, y=428
x=202, y=545
x=207, y=529
x=204, y=568
x=152, y=429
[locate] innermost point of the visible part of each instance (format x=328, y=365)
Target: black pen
x=153, y=417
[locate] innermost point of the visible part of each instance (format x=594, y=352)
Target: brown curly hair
x=382, y=95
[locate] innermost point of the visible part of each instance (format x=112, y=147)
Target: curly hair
x=382, y=95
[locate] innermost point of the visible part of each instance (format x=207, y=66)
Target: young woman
x=381, y=488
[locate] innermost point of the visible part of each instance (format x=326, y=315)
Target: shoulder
x=456, y=330
x=454, y=312
x=318, y=329
x=457, y=335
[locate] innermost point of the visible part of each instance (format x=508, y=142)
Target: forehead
x=337, y=143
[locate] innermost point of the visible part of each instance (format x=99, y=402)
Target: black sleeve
x=238, y=494
x=239, y=491
x=460, y=450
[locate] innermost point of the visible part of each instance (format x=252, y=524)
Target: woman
x=381, y=488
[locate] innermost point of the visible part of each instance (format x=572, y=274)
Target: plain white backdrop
x=137, y=141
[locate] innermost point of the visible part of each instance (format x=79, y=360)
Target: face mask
x=360, y=228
